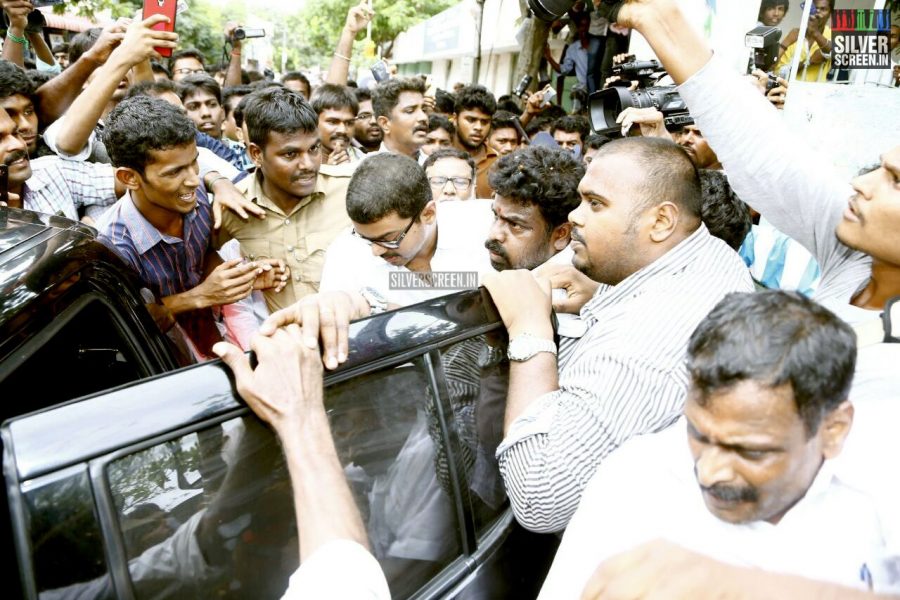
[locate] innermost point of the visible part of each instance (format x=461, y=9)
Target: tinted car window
x=64, y=535
x=210, y=513
x=477, y=378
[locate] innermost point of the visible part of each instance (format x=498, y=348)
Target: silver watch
x=524, y=346
x=376, y=301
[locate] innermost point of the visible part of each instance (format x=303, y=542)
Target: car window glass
x=477, y=377
x=86, y=355
x=210, y=514
x=66, y=547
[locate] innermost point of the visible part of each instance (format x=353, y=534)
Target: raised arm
x=357, y=18
x=86, y=110
x=14, y=45
x=55, y=96
x=233, y=72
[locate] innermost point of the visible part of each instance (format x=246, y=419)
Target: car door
x=171, y=488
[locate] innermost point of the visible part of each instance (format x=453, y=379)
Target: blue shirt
x=167, y=265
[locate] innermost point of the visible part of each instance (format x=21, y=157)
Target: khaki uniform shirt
x=299, y=237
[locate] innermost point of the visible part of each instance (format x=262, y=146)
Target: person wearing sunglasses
x=400, y=240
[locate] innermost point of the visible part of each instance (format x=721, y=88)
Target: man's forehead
x=512, y=208
x=302, y=140
x=182, y=62
x=175, y=156
x=365, y=105
x=505, y=132
x=16, y=102
x=744, y=411
x=438, y=134
x=342, y=113
x=475, y=113
x=199, y=95
x=449, y=166
x=409, y=99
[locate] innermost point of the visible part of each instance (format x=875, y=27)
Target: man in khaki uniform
x=304, y=200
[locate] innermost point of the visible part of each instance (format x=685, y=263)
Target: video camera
x=606, y=105
x=551, y=10
x=243, y=33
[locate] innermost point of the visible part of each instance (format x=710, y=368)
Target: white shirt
x=647, y=490
x=462, y=228
x=338, y=570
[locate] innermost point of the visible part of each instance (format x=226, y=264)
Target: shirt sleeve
x=50, y=137
x=339, y=570
x=209, y=162
x=769, y=167
x=554, y=448
x=90, y=184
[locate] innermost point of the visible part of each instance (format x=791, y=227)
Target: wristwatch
x=524, y=346
x=376, y=301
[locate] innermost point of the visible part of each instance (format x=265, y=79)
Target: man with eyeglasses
x=186, y=62
x=398, y=229
x=451, y=175
x=367, y=135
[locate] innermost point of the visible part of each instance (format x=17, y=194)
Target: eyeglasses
x=460, y=183
x=388, y=244
x=187, y=71
x=365, y=117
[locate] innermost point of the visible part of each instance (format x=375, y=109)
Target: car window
x=210, y=513
x=81, y=352
x=476, y=373
x=64, y=536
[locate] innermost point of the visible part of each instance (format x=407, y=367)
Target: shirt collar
x=384, y=148
x=144, y=235
x=255, y=194
x=671, y=263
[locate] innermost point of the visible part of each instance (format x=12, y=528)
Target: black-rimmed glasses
x=388, y=244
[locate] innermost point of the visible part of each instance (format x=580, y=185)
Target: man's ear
x=453, y=119
x=384, y=123
x=129, y=178
x=429, y=214
x=560, y=236
x=255, y=153
x=665, y=221
x=834, y=428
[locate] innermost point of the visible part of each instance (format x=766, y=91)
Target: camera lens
x=239, y=33
x=606, y=106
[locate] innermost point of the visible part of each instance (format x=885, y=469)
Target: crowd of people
x=692, y=434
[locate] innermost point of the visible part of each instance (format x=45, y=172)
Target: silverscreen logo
x=861, y=39
x=434, y=280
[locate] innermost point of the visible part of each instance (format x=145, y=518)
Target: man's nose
x=713, y=466
x=378, y=250
x=496, y=232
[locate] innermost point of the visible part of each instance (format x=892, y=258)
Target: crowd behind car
x=702, y=322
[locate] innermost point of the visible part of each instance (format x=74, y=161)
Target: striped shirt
x=167, y=265
x=64, y=187
x=626, y=376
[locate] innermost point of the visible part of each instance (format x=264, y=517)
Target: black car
x=128, y=477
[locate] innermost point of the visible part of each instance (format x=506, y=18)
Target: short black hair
x=142, y=124
x=295, y=76
x=505, y=120
x=39, y=78
x=767, y=4
x=444, y=102
x=595, y=142
x=158, y=67
x=450, y=153
x=276, y=109
x=475, y=97
x=572, y=124
x=186, y=53
x=387, y=183
x=722, y=211
x=441, y=122
x=508, y=103
x=547, y=177
x=335, y=97
x=554, y=111
x=387, y=93
x=14, y=80
x=199, y=82
x=773, y=338
x=61, y=48
x=234, y=92
x=362, y=94
x=539, y=123
x=154, y=89
x=668, y=172
x=83, y=42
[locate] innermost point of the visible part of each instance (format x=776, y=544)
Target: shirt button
x=287, y=221
x=290, y=248
x=297, y=277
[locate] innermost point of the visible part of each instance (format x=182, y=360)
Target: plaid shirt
x=166, y=265
x=65, y=187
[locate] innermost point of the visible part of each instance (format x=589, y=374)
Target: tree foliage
x=309, y=36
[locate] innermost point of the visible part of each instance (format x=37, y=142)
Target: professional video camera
x=606, y=105
x=645, y=72
x=551, y=10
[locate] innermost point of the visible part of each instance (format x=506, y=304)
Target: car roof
x=33, y=248
x=44, y=442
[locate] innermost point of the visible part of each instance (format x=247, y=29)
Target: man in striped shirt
x=651, y=272
x=162, y=226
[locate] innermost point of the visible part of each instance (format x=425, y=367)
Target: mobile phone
x=549, y=95
x=168, y=8
x=380, y=71
x=4, y=184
